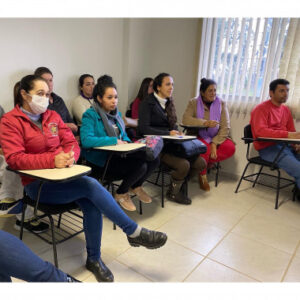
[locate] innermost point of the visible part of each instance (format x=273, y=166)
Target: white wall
x=69, y=47
x=127, y=49
x=164, y=45
x=174, y=44
x=139, y=54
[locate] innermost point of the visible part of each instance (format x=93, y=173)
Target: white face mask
x=38, y=104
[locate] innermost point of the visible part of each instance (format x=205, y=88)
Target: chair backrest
x=248, y=134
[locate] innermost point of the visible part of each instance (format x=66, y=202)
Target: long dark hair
x=103, y=83
x=26, y=84
x=170, y=107
x=143, y=91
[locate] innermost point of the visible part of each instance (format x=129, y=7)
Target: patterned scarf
x=113, y=115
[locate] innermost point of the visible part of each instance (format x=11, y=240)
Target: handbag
x=186, y=149
x=154, y=145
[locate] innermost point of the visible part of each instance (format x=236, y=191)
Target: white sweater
x=79, y=106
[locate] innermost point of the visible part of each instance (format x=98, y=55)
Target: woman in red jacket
x=33, y=137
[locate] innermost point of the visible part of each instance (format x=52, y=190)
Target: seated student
x=132, y=114
x=157, y=116
x=11, y=191
x=56, y=103
x=34, y=137
x=273, y=119
x=17, y=260
x=210, y=112
x=102, y=125
x=83, y=101
x=146, y=89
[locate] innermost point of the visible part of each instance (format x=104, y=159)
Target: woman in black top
x=157, y=116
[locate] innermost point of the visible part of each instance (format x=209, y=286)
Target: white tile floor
x=221, y=237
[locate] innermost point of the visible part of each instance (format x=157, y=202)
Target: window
x=242, y=55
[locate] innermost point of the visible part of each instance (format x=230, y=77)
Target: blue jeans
x=17, y=260
x=288, y=160
x=93, y=199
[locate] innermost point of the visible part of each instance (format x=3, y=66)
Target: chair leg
x=141, y=207
x=294, y=192
x=277, y=190
x=186, y=187
x=242, y=177
x=53, y=241
x=162, y=189
x=217, y=174
x=258, y=174
x=113, y=192
x=22, y=220
x=157, y=177
x=59, y=221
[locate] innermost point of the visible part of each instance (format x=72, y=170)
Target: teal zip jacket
x=93, y=134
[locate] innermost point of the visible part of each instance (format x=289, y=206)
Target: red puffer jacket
x=27, y=147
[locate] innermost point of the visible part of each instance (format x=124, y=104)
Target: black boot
x=148, y=238
x=100, y=270
x=175, y=193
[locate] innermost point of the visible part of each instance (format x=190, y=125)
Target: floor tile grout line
x=244, y=274
x=187, y=248
x=221, y=240
x=134, y=270
x=279, y=222
x=177, y=213
x=260, y=242
x=290, y=262
x=204, y=256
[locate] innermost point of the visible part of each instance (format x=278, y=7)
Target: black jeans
x=131, y=170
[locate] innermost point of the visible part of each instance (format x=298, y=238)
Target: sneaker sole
x=149, y=247
x=17, y=227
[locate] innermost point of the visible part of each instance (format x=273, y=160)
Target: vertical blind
x=242, y=55
x=290, y=66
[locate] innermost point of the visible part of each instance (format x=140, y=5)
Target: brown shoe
x=125, y=201
x=203, y=182
x=141, y=194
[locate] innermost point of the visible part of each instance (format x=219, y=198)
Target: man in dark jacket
x=56, y=103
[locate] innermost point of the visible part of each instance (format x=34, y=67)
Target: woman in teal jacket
x=102, y=125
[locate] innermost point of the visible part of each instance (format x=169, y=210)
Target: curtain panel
x=242, y=55
x=290, y=66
